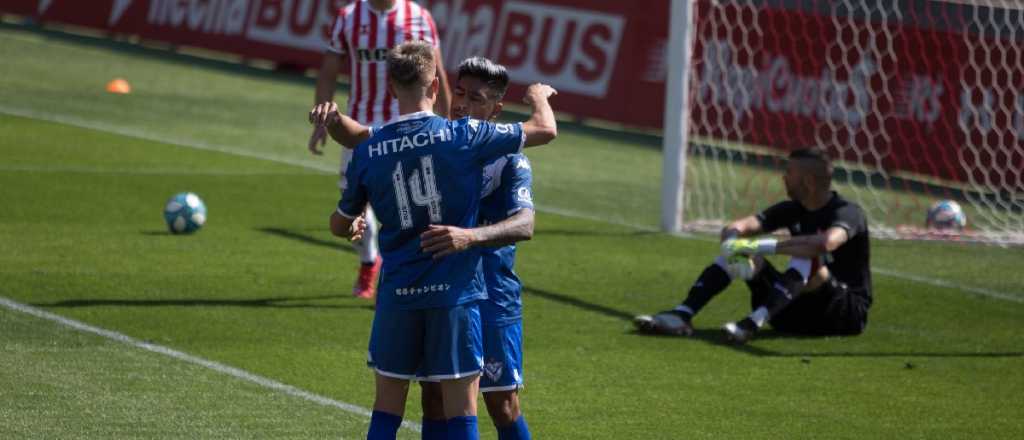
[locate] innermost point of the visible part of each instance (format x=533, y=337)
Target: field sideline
x=264, y=287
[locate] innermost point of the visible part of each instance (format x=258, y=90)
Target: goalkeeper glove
x=745, y=246
x=740, y=267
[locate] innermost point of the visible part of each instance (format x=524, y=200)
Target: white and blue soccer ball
x=946, y=215
x=185, y=213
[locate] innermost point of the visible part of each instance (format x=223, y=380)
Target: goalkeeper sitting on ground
x=826, y=288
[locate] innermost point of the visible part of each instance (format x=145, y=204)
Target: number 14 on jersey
x=421, y=190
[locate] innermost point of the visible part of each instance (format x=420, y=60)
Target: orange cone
x=119, y=86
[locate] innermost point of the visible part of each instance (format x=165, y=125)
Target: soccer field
x=247, y=329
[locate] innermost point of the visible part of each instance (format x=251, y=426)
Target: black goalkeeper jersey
x=851, y=262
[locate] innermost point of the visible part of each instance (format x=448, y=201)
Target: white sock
x=759, y=316
x=367, y=246
x=801, y=265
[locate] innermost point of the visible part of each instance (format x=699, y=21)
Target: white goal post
x=917, y=101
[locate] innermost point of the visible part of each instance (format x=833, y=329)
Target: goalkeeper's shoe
x=741, y=331
x=669, y=322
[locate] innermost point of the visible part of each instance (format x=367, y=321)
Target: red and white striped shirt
x=367, y=35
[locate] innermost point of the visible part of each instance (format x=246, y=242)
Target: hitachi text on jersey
x=406, y=142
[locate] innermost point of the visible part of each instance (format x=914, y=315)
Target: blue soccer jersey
x=507, y=189
x=416, y=171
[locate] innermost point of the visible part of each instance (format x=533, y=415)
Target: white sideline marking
x=146, y=135
x=145, y=172
x=216, y=366
x=99, y=126
x=1008, y=296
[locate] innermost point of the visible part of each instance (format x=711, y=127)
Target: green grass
x=60, y=383
x=263, y=287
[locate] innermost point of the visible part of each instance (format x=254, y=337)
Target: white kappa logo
x=523, y=195
x=493, y=370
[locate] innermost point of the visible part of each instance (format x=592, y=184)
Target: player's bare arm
x=744, y=227
x=346, y=131
x=326, y=82
x=441, y=240
x=541, y=128
x=811, y=246
x=343, y=129
x=444, y=95
x=804, y=246
x=345, y=227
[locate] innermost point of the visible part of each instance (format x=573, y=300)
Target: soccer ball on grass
x=185, y=213
x=946, y=215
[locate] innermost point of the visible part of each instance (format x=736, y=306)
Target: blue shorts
x=503, y=357
x=442, y=343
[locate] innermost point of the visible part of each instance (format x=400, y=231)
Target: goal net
x=916, y=101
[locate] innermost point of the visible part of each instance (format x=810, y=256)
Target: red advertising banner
x=606, y=58
x=936, y=98
x=597, y=54
x=918, y=91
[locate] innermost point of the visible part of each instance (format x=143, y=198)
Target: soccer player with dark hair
x=421, y=170
x=826, y=287
x=506, y=217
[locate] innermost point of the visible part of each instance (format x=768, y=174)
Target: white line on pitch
x=146, y=135
x=213, y=365
x=1008, y=296
x=146, y=172
x=99, y=126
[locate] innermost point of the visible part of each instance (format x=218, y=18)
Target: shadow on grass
x=717, y=338
x=284, y=302
x=309, y=239
x=583, y=233
x=709, y=336
x=578, y=303
x=156, y=232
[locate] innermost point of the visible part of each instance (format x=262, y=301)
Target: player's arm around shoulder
x=516, y=193
x=326, y=81
x=514, y=196
x=541, y=128
x=442, y=107
x=443, y=240
x=343, y=129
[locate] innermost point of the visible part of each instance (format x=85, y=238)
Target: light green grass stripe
x=216, y=366
x=123, y=131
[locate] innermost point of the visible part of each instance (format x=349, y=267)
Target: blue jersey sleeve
x=354, y=199
x=490, y=141
x=518, y=184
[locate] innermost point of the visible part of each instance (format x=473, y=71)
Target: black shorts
x=832, y=309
